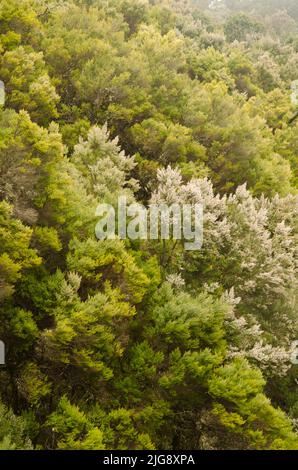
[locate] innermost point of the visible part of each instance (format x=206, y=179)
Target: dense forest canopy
x=122, y=344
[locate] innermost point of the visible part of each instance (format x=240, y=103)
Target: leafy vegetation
x=140, y=344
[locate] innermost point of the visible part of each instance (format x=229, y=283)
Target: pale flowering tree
x=172, y=190
x=247, y=339
x=169, y=190
x=250, y=246
x=263, y=251
x=176, y=281
x=104, y=166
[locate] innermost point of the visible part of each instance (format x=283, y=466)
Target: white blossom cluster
x=105, y=165
x=253, y=245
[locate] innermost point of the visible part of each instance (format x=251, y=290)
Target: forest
x=140, y=344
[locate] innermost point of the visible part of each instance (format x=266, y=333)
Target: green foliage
x=27, y=84
x=12, y=431
x=264, y=426
x=16, y=253
x=73, y=430
x=94, y=260
x=167, y=143
x=128, y=345
x=239, y=26
x=19, y=24
x=89, y=335
x=187, y=322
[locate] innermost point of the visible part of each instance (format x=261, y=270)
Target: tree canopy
x=140, y=344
